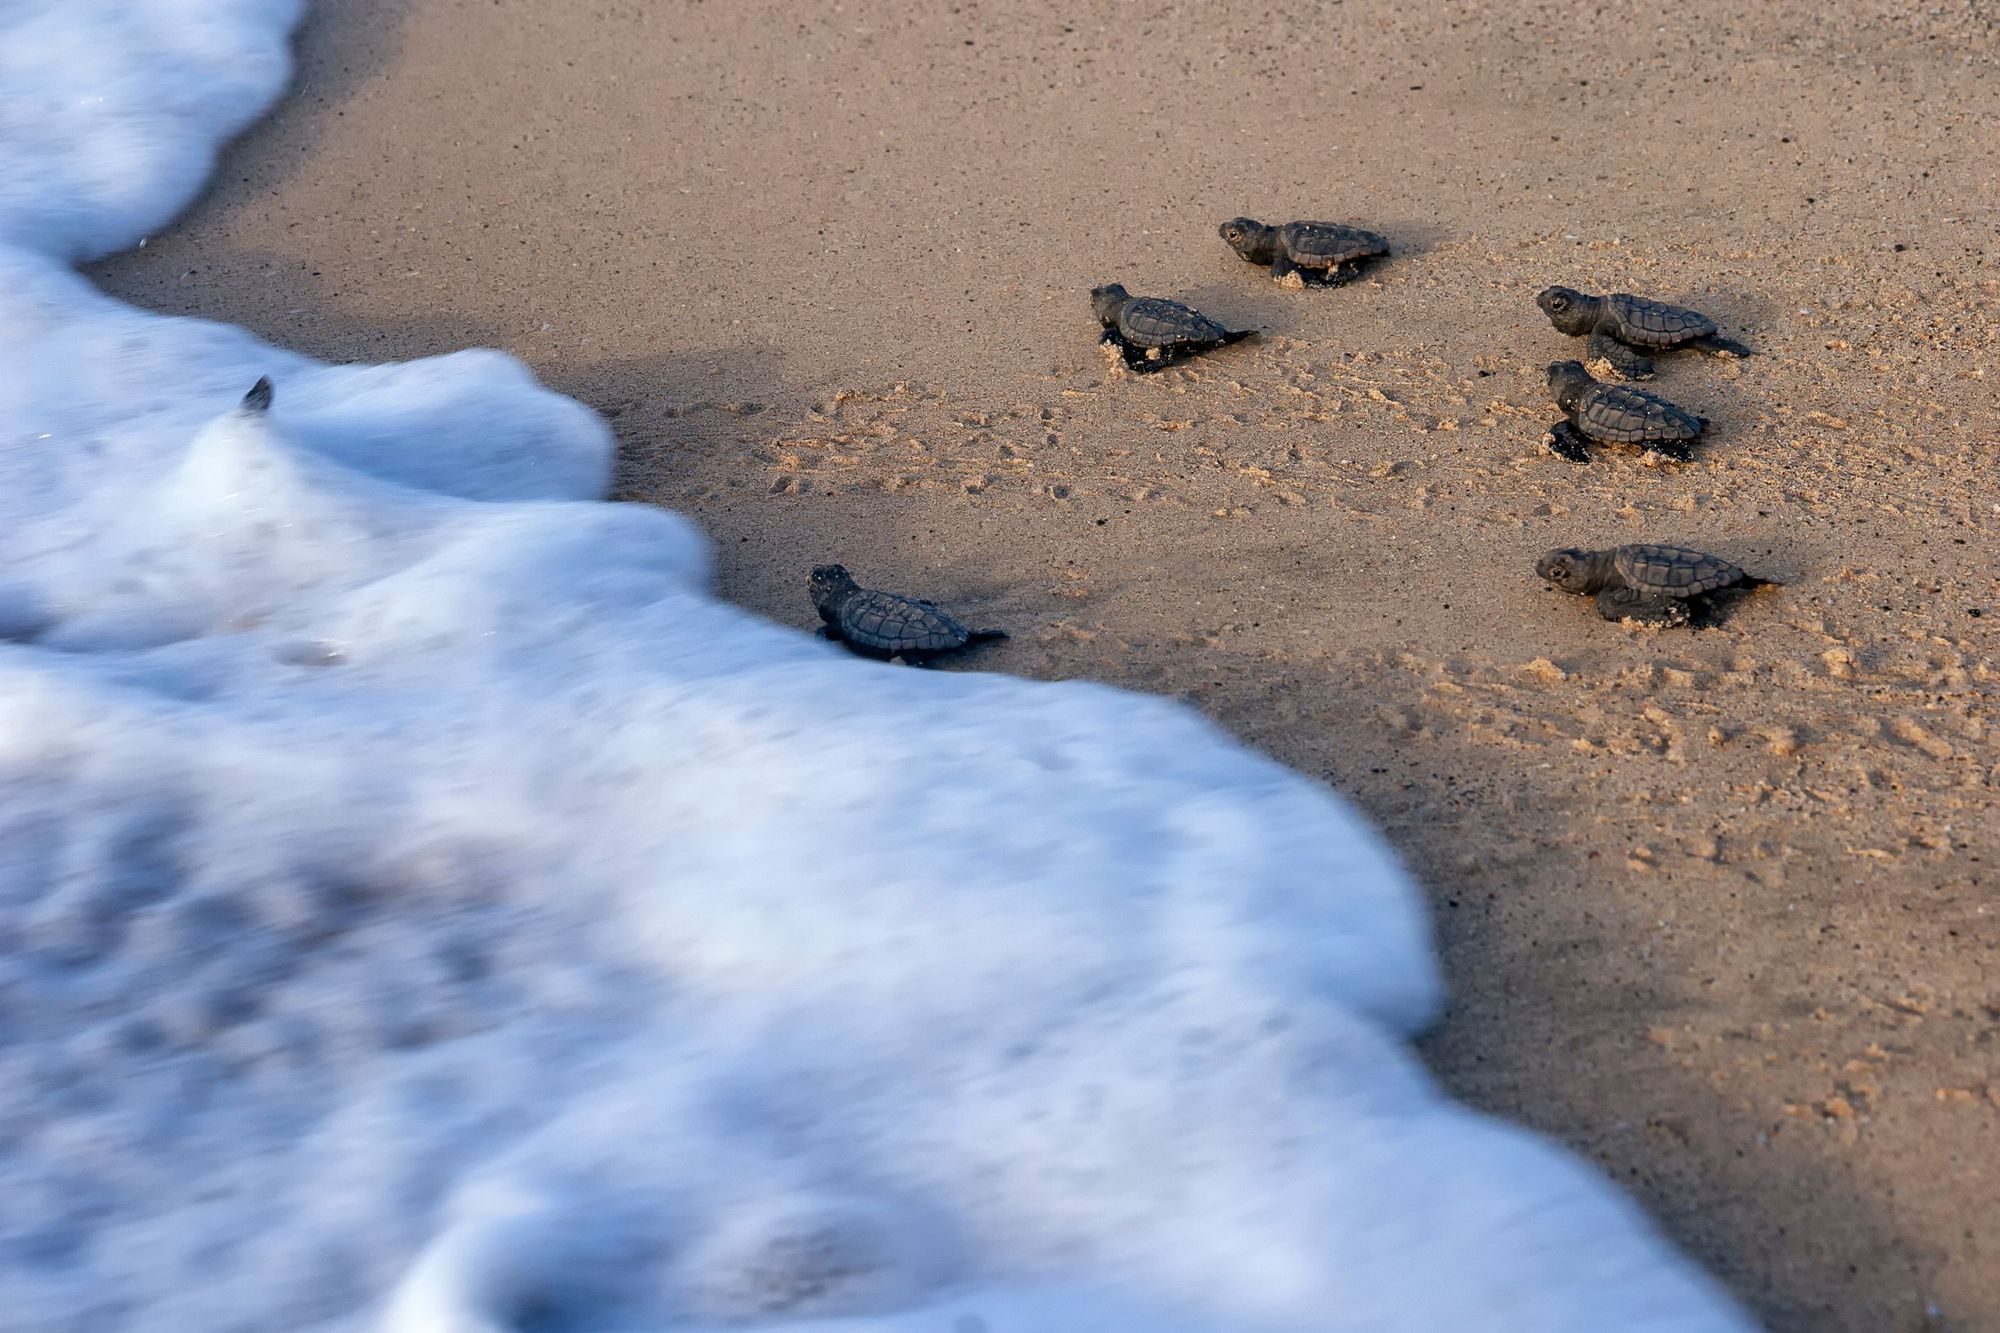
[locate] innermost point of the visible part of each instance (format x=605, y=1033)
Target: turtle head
x=1569, y=569
x=1568, y=309
x=1567, y=381
x=828, y=582
x=1249, y=238
x=1107, y=301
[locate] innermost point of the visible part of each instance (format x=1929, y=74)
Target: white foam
x=425, y=908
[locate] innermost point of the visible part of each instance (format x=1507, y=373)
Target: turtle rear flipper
x=1237, y=335
x=1677, y=451
x=1621, y=358
x=1566, y=441
x=1717, y=345
x=1643, y=608
x=986, y=636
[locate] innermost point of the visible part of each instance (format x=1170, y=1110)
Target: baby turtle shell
x=1317, y=254
x=1150, y=333
x=1615, y=414
x=1652, y=583
x=1617, y=323
x=882, y=624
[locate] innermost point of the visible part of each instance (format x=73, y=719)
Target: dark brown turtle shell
x=1621, y=414
x=1674, y=571
x=1643, y=323
x=1150, y=321
x=884, y=623
x=1326, y=244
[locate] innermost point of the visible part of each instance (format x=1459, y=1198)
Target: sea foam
x=425, y=908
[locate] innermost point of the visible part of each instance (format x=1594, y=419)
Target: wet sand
x=1717, y=906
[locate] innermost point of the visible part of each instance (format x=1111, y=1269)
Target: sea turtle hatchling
x=1648, y=583
x=1616, y=414
x=1150, y=333
x=1618, y=323
x=1304, y=254
x=881, y=624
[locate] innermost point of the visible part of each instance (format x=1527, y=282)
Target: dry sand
x=1718, y=906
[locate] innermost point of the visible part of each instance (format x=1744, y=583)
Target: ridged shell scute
x=1675, y=570
x=1645, y=323
x=1152, y=322
x=886, y=623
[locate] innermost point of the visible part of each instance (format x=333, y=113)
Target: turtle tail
x=1717, y=345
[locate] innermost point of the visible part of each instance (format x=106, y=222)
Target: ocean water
x=424, y=908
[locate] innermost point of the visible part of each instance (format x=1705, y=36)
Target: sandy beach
x=1717, y=906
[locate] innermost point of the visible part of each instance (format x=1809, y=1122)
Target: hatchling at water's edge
x=1648, y=583
x=1150, y=333
x=1304, y=254
x=884, y=625
x=1620, y=322
x=1616, y=414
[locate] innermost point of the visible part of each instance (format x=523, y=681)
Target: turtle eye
x=1559, y=302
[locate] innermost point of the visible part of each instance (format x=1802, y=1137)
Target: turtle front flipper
x=1135, y=357
x=1717, y=345
x=1337, y=276
x=1642, y=608
x=1287, y=274
x=1566, y=441
x=1621, y=358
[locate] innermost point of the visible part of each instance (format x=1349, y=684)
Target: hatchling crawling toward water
x=1304, y=254
x=1619, y=323
x=881, y=624
x=1616, y=414
x=1151, y=333
x=1649, y=584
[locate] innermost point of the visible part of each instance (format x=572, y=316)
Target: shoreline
x=1293, y=538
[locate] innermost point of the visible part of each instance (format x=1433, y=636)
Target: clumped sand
x=1718, y=907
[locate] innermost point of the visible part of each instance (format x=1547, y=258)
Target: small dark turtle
x=881, y=624
x=1308, y=254
x=1617, y=323
x=1151, y=333
x=1648, y=583
x=259, y=397
x=1616, y=414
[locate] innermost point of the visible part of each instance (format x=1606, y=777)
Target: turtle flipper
x=985, y=635
x=1678, y=451
x=1337, y=276
x=1642, y=608
x=1238, y=335
x=1285, y=273
x=1717, y=345
x=1566, y=441
x=1621, y=358
x=1134, y=355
